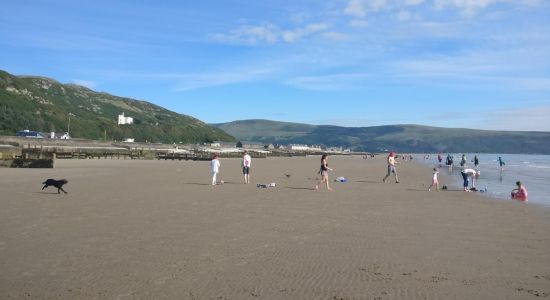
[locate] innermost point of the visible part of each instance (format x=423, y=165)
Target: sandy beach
x=132, y=229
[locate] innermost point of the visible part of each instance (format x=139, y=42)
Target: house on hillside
x=30, y=134
x=122, y=120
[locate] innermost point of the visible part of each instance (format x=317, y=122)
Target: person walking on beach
x=391, y=167
x=520, y=193
x=476, y=161
x=435, y=181
x=450, y=162
x=247, y=160
x=466, y=174
x=214, y=168
x=439, y=159
x=463, y=160
x=324, y=173
x=501, y=163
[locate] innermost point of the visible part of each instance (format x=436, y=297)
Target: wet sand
x=158, y=230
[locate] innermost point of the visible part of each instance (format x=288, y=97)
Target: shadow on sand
x=49, y=193
x=368, y=181
x=299, y=188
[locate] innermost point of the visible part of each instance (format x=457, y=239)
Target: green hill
x=43, y=104
x=403, y=138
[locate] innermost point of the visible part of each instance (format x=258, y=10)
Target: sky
x=482, y=64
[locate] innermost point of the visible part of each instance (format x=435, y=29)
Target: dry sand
x=158, y=230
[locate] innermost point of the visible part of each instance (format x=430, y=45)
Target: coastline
x=532, y=170
x=157, y=229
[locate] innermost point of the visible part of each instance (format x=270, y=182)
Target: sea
x=532, y=170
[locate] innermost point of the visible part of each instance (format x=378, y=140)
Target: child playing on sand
x=214, y=168
x=520, y=193
x=435, y=182
x=324, y=173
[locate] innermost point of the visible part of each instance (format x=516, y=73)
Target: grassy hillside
x=403, y=138
x=43, y=104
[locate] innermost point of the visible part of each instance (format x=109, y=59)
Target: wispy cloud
x=355, y=8
x=269, y=33
x=197, y=81
x=329, y=82
x=502, y=70
x=250, y=35
x=361, y=8
x=183, y=81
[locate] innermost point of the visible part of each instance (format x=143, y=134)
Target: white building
x=61, y=136
x=315, y=148
x=122, y=120
x=299, y=147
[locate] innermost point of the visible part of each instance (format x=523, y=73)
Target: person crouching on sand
x=520, y=193
x=324, y=173
x=215, y=168
x=435, y=181
x=391, y=167
x=466, y=174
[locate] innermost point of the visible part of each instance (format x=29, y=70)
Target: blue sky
x=481, y=64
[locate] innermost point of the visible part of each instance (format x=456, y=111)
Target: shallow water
x=532, y=170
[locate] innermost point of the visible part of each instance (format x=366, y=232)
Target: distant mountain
x=402, y=138
x=43, y=104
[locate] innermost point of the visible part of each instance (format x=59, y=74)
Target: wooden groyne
x=42, y=153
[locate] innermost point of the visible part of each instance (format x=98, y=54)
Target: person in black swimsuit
x=324, y=173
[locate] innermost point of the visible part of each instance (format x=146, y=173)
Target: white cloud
x=299, y=33
x=269, y=33
x=87, y=83
x=355, y=8
x=413, y=2
x=359, y=8
x=251, y=35
x=471, y=7
x=377, y=5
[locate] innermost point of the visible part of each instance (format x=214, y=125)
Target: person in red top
x=520, y=193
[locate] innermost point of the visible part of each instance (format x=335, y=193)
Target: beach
x=144, y=229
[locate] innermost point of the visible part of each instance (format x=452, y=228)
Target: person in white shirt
x=215, y=168
x=466, y=174
x=247, y=160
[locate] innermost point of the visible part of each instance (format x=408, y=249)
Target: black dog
x=56, y=183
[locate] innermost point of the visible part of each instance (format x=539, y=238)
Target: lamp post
x=69, y=124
